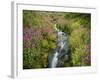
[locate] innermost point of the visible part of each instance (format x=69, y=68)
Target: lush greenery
x=39, y=37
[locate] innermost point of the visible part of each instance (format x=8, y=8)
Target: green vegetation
x=40, y=39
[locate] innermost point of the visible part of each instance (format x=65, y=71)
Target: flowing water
x=55, y=60
x=62, y=50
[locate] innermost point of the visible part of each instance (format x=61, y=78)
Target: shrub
x=79, y=39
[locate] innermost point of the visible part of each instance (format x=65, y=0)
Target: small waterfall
x=63, y=48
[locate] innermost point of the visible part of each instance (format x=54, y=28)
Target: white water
x=55, y=60
x=61, y=44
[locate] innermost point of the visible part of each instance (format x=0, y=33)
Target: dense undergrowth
x=40, y=39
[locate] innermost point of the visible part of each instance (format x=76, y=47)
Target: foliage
x=39, y=37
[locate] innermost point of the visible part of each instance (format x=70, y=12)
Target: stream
x=60, y=54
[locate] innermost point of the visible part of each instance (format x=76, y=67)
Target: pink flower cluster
x=31, y=36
